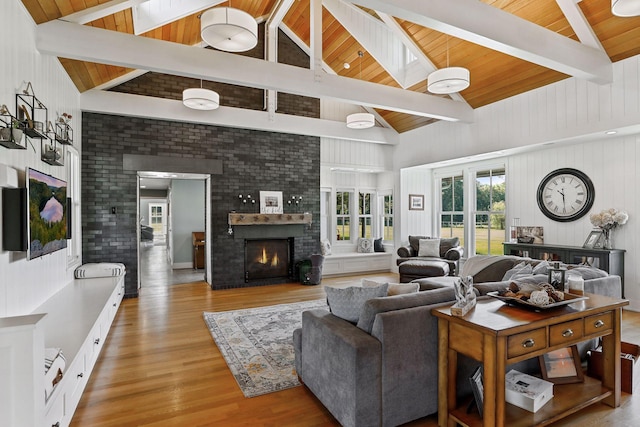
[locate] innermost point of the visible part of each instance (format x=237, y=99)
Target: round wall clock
x=565, y=195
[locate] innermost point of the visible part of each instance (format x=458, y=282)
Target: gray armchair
x=450, y=252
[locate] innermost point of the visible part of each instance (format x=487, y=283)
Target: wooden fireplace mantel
x=269, y=219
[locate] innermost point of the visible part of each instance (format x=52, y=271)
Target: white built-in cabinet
x=77, y=320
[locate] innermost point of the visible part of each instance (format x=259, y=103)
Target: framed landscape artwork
x=416, y=202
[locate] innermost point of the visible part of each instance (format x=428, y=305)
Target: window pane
x=482, y=234
x=458, y=193
x=447, y=194
x=364, y=227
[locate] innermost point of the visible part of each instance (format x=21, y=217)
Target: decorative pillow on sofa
x=542, y=267
x=365, y=246
x=347, y=303
x=377, y=245
x=518, y=270
x=325, y=247
x=394, y=288
x=414, y=242
x=588, y=273
x=429, y=247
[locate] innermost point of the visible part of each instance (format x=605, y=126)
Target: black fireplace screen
x=267, y=258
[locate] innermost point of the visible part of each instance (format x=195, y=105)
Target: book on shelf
x=527, y=392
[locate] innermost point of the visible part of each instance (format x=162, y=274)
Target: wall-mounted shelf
x=10, y=136
x=52, y=152
x=64, y=133
x=269, y=219
x=32, y=114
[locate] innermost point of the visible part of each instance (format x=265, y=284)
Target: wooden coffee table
x=498, y=335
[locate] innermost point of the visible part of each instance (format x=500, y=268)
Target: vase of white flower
x=607, y=220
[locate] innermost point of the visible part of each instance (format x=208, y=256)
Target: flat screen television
x=47, y=203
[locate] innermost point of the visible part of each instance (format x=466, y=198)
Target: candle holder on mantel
x=247, y=202
x=295, y=202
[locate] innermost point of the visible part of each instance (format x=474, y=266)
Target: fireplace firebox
x=268, y=258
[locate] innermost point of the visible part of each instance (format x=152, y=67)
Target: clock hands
x=562, y=192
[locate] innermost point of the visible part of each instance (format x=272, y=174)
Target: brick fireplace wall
x=251, y=161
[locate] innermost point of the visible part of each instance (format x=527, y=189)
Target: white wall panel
x=356, y=155
x=24, y=285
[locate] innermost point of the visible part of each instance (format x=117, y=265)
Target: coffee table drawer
x=565, y=332
x=526, y=342
x=598, y=323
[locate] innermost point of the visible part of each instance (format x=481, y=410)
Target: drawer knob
x=80, y=375
x=114, y=304
x=568, y=333
x=528, y=343
x=598, y=324
x=56, y=424
x=96, y=341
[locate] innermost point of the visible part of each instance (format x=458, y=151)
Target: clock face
x=565, y=195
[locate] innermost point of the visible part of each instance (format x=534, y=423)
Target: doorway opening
x=171, y=206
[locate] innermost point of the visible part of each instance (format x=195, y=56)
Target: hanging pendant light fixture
x=360, y=120
x=448, y=80
x=199, y=98
x=625, y=8
x=228, y=29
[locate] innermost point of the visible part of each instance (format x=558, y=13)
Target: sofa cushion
x=414, y=242
x=364, y=246
x=520, y=269
x=541, y=268
x=429, y=248
x=346, y=303
x=448, y=244
x=398, y=302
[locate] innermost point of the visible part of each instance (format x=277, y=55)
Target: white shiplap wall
x=519, y=128
x=24, y=285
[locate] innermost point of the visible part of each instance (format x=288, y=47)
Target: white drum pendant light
x=360, y=120
x=448, y=80
x=199, y=98
x=625, y=8
x=228, y=29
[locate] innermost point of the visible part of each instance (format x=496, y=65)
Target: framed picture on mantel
x=271, y=202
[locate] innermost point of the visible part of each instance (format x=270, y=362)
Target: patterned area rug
x=257, y=344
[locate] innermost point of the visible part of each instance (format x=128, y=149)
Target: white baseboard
x=181, y=265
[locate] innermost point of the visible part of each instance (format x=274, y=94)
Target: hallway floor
x=155, y=269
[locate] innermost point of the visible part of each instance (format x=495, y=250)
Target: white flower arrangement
x=609, y=219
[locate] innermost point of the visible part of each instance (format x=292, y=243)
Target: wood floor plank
x=160, y=366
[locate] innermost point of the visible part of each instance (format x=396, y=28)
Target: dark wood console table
x=498, y=335
x=609, y=260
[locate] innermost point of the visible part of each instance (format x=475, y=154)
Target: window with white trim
x=74, y=246
x=365, y=216
x=489, y=215
x=452, y=207
x=386, y=217
x=343, y=215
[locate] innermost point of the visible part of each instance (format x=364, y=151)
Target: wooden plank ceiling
x=494, y=75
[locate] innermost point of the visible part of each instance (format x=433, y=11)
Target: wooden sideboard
x=609, y=260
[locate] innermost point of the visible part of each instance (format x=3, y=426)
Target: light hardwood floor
x=160, y=366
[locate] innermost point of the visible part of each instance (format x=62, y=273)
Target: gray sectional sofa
x=383, y=370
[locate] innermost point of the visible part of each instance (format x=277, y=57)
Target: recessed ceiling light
x=611, y=132
x=347, y=65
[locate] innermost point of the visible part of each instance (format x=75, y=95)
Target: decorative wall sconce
x=246, y=199
x=295, y=201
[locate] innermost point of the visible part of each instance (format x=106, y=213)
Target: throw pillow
x=429, y=247
x=325, y=247
x=394, y=288
x=377, y=245
x=365, y=246
x=519, y=270
x=542, y=268
x=414, y=242
x=346, y=303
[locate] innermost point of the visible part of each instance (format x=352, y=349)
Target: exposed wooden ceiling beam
x=124, y=104
x=100, y=11
x=91, y=44
x=496, y=29
x=579, y=23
